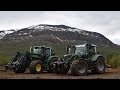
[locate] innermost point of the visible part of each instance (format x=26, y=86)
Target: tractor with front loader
x=39, y=59
x=79, y=59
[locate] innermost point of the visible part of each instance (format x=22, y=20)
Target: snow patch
x=42, y=27
x=19, y=34
x=36, y=27
x=2, y=34
x=30, y=36
x=59, y=39
x=39, y=27
x=8, y=32
x=87, y=34
x=84, y=33
x=31, y=27
x=25, y=33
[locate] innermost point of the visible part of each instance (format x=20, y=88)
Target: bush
x=4, y=60
x=108, y=58
x=113, y=60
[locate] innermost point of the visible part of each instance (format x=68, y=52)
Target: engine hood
x=67, y=56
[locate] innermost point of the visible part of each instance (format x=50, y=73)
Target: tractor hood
x=67, y=56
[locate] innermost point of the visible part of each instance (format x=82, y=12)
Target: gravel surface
x=109, y=74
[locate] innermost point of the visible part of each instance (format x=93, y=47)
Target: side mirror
x=98, y=52
x=53, y=53
x=67, y=50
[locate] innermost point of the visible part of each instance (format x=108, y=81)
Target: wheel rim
x=38, y=67
x=100, y=65
x=82, y=68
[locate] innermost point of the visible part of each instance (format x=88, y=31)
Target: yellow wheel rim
x=38, y=67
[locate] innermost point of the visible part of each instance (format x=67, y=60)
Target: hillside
x=56, y=35
x=4, y=32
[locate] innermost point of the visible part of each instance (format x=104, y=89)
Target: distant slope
x=4, y=32
x=57, y=34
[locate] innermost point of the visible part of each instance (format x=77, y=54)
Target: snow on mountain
x=2, y=34
x=5, y=32
x=45, y=33
x=54, y=28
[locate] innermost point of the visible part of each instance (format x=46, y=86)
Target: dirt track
x=110, y=74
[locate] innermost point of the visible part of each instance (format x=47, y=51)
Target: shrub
x=114, y=60
x=4, y=60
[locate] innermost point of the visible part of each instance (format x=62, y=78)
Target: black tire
x=99, y=66
x=76, y=68
x=51, y=69
x=33, y=67
x=19, y=71
x=63, y=69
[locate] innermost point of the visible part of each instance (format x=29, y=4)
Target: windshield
x=71, y=50
x=80, y=50
x=37, y=50
x=47, y=52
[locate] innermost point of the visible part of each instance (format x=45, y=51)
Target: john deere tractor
x=39, y=59
x=79, y=59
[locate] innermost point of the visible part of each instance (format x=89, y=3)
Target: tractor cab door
x=47, y=53
x=91, y=50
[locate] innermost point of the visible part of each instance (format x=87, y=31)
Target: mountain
x=4, y=32
x=57, y=35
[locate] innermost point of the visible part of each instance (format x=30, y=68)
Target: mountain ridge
x=57, y=34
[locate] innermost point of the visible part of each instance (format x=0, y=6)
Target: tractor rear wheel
x=36, y=67
x=79, y=68
x=99, y=66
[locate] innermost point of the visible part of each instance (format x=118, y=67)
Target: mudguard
x=94, y=57
x=50, y=58
x=74, y=57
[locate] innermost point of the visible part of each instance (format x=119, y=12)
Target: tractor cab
x=42, y=51
x=36, y=49
x=70, y=49
x=91, y=49
x=85, y=50
x=81, y=49
x=76, y=49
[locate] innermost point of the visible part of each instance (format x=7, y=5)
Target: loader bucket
x=10, y=65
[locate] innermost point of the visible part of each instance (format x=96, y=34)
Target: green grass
x=113, y=60
x=4, y=59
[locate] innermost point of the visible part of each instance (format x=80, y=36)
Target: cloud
x=104, y=22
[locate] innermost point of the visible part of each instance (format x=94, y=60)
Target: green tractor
x=39, y=59
x=79, y=59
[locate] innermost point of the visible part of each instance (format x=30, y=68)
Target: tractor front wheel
x=62, y=69
x=79, y=68
x=99, y=66
x=36, y=67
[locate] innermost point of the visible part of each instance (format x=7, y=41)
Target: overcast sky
x=104, y=22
